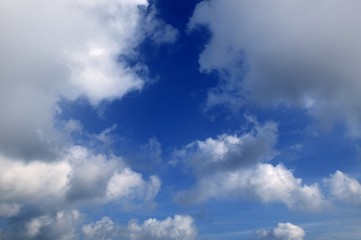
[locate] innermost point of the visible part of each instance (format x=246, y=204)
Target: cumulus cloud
x=344, y=188
x=178, y=227
x=81, y=176
x=283, y=231
x=61, y=226
x=301, y=53
x=47, y=57
x=233, y=167
x=264, y=182
x=227, y=152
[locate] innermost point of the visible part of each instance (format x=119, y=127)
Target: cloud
x=70, y=225
x=61, y=226
x=9, y=209
x=47, y=57
x=227, y=152
x=81, y=176
x=264, y=182
x=344, y=188
x=178, y=227
x=283, y=231
x=233, y=167
x=299, y=53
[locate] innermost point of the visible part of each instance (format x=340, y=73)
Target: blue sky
x=214, y=119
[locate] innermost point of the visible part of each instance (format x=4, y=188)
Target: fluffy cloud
x=61, y=226
x=302, y=53
x=283, y=231
x=47, y=57
x=233, y=167
x=81, y=176
x=179, y=227
x=344, y=188
x=228, y=152
x=69, y=225
x=264, y=182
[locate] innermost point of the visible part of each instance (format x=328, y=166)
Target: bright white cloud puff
x=283, y=231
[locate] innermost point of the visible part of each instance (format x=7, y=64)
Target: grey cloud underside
x=300, y=53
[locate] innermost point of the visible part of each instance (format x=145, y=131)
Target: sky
x=169, y=120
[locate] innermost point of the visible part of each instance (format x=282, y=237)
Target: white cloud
x=302, y=53
x=230, y=151
x=80, y=176
x=130, y=185
x=62, y=226
x=33, y=181
x=46, y=57
x=344, y=188
x=263, y=182
x=233, y=167
x=178, y=227
x=283, y=231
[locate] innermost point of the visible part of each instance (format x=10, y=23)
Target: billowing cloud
x=227, y=152
x=178, y=227
x=344, y=188
x=81, y=176
x=233, y=167
x=264, y=182
x=283, y=231
x=300, y=53
x=61, y=226
x=65, y=50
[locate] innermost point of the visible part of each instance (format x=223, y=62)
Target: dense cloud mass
x=300, y=53
x=46, y=57
x=283, y=231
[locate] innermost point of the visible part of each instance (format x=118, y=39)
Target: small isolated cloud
x=299, y=53
x=283, y=231
x=233, y=167
x=178, y=227
x=344, y=188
